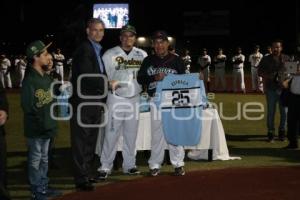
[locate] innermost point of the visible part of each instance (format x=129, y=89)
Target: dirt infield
x=281, y=183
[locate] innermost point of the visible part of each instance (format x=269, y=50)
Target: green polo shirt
x=36, y=101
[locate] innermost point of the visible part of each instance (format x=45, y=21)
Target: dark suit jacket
x=85, y=62
x=3, y=105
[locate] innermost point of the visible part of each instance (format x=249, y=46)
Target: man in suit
x=89, y=85
x=3, y=117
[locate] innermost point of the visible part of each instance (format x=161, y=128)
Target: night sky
x=250, y=22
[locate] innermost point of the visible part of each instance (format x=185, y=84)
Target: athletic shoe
x=133, y=171
x=154, y=172
x=102, y=175
x=179, y=171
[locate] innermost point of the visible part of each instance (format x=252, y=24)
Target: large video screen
x=113, y=15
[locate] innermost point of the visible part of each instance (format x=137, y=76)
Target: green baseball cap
x=128, y=28
x=35, y=48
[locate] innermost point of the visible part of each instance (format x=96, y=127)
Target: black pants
x=3, y=180
x=83, y=142
x=293, y=119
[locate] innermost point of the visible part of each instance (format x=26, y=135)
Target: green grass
x=244, y=138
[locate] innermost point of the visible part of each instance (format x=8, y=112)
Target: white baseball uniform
x=254, y=60
x=4, y=66
x=21, y=67
x=122, y=106
x=187, y=62
x=238, y=72
x=59, y=64
x=220, y=71
x=204, y=61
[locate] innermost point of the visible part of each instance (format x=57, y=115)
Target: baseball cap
x=35, y=48
x=160, y=35
x=128, y=28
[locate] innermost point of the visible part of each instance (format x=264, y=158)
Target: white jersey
x=240, y=57
x=220, y=61
x=5, y=64
x=255, y=59
x=22, y=64
x=204, y=60
x=17, y=60
x=187, y=60
x=59, y=59
x=124, y=67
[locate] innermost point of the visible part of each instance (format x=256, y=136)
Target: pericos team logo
x=127, y=64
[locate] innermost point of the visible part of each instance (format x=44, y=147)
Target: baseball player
x=204, y=61
x=254, y=60
x=219, y=62
x=21, y=66
x=4, y=73
x=187, y=60
x=269, y=51
x=155, y=68
x=238, y=70
x=59, y=59
x=121, y=64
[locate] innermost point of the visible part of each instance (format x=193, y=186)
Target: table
x=212, y=137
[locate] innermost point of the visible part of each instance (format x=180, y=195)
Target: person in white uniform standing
x=219, y=61
x=121, y=64
x=21, y=66
x=238, y=70
x=187, y=60
x=59, y=59
x=254, y=60
x=5, y=64
x=204, y=61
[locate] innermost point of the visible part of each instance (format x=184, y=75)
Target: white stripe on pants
x=4, y=76
x=22, y=74
x=238, y=75
x=60, y=71
x=256, y=80
x=254, y=77
x=220, y=75
x=121, y=119
x=158, y=144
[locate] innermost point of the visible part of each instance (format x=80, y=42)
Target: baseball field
x=265, y=168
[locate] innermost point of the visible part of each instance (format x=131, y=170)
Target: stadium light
x=141, y=40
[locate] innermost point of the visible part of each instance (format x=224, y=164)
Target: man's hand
x=160, y=76
x=3, y=117
x=285, y=83
x=114, y=84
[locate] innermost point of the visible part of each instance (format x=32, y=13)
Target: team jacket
x=120, y=65
x=153, y=65
x=36, y=101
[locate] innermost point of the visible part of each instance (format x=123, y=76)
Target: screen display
x=113, y=15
